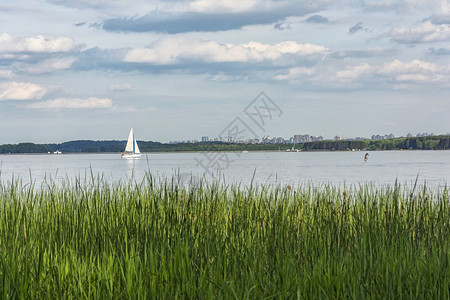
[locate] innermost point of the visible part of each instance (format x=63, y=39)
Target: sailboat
x=132, y=149
x=293, y=149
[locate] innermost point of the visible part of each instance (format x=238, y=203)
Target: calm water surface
x=383, y=167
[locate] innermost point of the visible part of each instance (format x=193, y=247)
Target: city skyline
x=92, y=69
x=301, y=138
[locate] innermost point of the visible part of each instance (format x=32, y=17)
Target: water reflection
x=131, y=165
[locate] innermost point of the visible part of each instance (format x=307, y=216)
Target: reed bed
x=159, y=239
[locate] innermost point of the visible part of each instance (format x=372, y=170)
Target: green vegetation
x=83, y=146
x=156, y=239
x=441, y=142
x=25, y=148
x=417, y=143
x=335, y=145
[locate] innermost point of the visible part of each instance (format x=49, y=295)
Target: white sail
x=136, y=147
x=130, y=143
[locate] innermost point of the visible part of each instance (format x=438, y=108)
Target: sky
x=180, y=70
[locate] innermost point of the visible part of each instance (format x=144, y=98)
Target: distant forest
x=84, y=146
x=440, y=142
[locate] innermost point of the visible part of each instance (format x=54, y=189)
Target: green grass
x=155, y=239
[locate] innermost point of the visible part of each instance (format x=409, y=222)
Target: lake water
x=383, y=167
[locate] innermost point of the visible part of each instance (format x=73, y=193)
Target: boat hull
x=131, y=155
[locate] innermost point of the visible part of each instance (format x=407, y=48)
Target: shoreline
x=224, y=151
x=441, y=142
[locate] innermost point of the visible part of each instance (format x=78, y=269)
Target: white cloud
x=403, y=6
x=295, y=73
x=49, y=65
x=425, y=33
x=175, y=49
x=223, y=5
x=37, y=44
x=8, y=56
x=75, y=103
x=132, y=109
x=355, y=72
x=416, y=70
x=120, y=87
x=6, y=74
x=122, y=109
x=413, y=77
x=413, y=71
x=21, y=91
x=398, y=67
x=360, y=75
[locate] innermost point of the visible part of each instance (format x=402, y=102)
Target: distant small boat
x=366, y=157
x=244, y=151
x=293, y=149
x=57, y=152
x=132, y=148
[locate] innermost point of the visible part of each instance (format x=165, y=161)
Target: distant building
x=296, y=139
x=383, y=137
x=316, y=139
x=424, y=134
x=266, y=140
x=279, y=140
x=299, y=139
x=376, y=137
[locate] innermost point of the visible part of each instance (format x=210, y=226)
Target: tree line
x=85, y=146
x=441, y=142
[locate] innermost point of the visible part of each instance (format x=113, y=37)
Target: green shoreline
x=441, y=142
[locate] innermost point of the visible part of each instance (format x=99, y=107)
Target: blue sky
x=178, y=70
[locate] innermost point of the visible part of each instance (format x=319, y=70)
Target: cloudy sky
x=174, y=70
